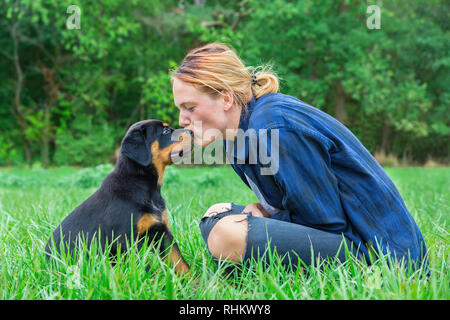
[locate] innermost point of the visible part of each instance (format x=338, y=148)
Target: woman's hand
x=257, y=210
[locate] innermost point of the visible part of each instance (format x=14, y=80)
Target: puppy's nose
x=190, y=132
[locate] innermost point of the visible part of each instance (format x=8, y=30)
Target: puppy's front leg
x=175, y=257
x=155, y=227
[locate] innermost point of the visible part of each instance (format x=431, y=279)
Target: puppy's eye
x=166, y=130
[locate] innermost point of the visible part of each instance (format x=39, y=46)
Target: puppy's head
x=154, y=142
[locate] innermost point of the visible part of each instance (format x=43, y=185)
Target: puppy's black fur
x=129, y=197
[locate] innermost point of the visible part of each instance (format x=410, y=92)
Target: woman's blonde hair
x=216, y=67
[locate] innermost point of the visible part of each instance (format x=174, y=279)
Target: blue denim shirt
x=321, y=176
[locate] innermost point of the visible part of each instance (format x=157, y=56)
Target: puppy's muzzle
x=183, y=146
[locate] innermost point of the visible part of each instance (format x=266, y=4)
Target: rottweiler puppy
x=129, y=199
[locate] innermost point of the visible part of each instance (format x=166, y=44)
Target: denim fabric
x=322, y=175
x=291, y=241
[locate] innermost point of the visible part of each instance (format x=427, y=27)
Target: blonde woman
x=325, y=192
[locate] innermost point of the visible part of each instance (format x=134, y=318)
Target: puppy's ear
x=135, y=147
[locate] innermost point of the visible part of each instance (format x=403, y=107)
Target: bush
x=86, y=144
x=9, y=154
x=87, y=177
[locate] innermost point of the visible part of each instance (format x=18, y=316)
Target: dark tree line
x=67, y=95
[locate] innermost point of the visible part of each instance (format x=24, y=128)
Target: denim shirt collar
x=231, y=146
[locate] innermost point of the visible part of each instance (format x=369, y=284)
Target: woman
x=324, y=192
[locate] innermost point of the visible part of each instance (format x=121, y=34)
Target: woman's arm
x=305, y=178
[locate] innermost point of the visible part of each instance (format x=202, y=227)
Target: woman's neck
x=233, y=123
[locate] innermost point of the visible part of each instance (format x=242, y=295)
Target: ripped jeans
x=292, y=241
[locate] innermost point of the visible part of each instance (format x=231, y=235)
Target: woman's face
x=207, y=116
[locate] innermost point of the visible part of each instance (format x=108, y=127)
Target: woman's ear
x=228, y=99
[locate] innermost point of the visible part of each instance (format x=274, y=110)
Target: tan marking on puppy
x=161, y=158
x=165, y=218
x=145, y=222
x=180, y=266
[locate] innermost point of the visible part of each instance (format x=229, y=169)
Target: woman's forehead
x=184, y=93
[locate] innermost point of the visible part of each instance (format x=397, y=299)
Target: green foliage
x=8, y=154
x=157, y=96
x=87, y=143
x=388, y=85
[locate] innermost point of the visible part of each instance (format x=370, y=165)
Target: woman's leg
x=225, y=221
x=231, y=235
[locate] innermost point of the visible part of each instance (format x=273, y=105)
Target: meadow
x=34, y=201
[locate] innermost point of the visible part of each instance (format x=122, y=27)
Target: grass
x=33, y=203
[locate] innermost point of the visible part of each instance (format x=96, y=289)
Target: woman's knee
x=227, y=239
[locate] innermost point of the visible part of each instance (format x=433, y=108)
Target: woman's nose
x=183, y=119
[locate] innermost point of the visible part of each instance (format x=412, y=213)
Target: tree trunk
x=51, y=88
x=385, y=133
x=339, y=107
x=18, y=92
